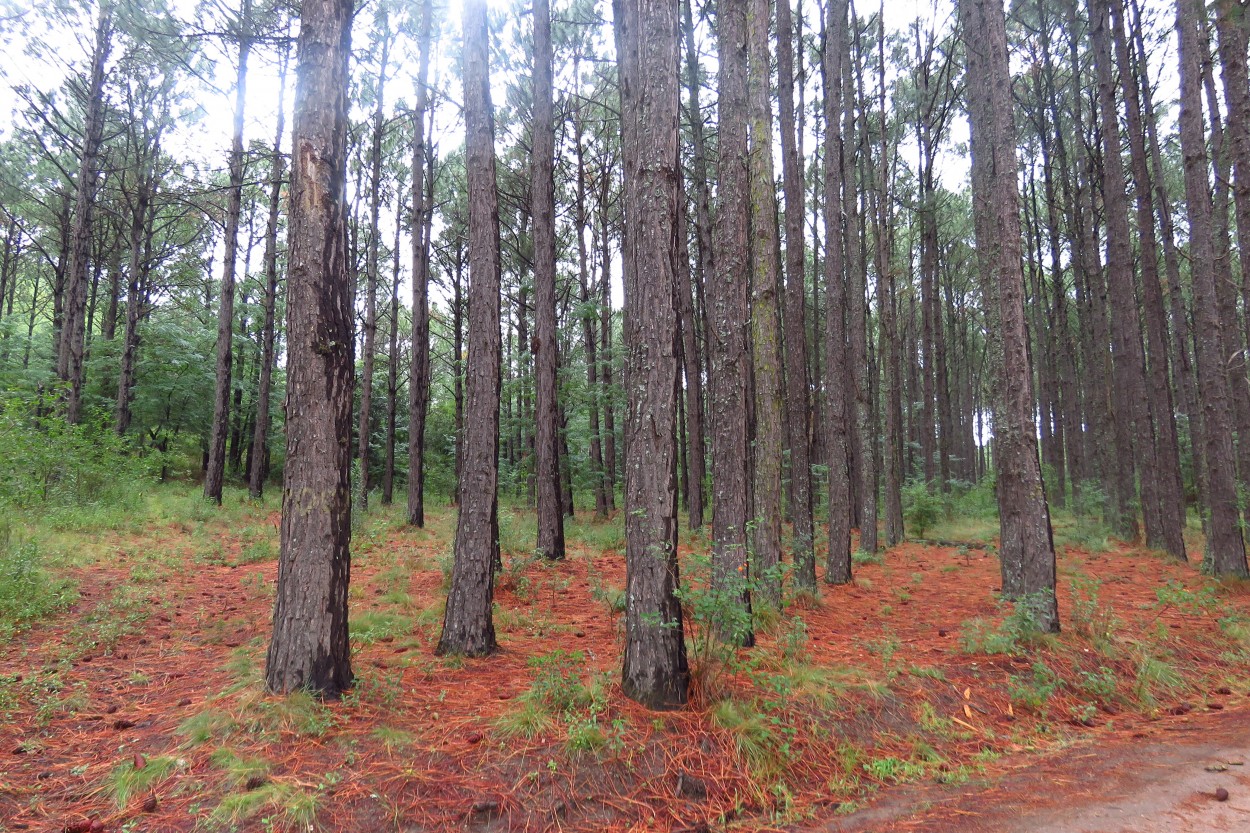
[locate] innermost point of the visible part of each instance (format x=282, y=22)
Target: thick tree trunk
x=655, y=671
x=765, y=313
x=542, y=194
x=215, y=475
x=419, y=386
x=310, y=647
x=729, y=298
x=1026, y=548
x=1226, y=552
x=1170, y=486
x=467, y=624
x=839, y=396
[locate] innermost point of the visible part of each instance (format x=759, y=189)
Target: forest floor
x=895, y=703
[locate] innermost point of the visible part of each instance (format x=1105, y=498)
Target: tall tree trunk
x=1226, y=552
x=765, y=313
x=1128, y=363
x=369, y=343
x=729, y=298
x=419, y=386
x=392, y=358
x=655, y=671
x=887, y=298
x=1170, y=486
x=542, y=194
x=865, y=430
x=72, y=333
x=140, y=219
x=690, y=290
x=310, y=648
x=259, y=470
x=467, y=624
x=589, y=318
x=214, y=476
x=837, y=394
x=1026, y=550
x=797, y=397
x=605, y=345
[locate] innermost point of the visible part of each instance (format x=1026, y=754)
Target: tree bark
x=72, y=332
x=729, y=298
x=655, y=672
x=765, y=313
x=467, y=624
x=310, y=647
x=837, y=393
x=542, y=194
x=1026, y=547
x=796, y=382
x=1226, y=552
x=1170, y=485
x=419, y=386
x=214, y=476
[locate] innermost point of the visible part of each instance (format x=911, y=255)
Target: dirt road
x=1161, y=781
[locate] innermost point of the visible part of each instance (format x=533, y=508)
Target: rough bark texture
x=839, y=396
x=1128, y=362
x=419, y=387
x=1167, y=450
x=655, y=671
x=769, y=441
x=1226, y=551
x=544, y=347
x=73, y=318
x=1027, y=550
x=468, y=626
x=310, y=646
x=214, y=477
x=729, y=298
x=797, y=389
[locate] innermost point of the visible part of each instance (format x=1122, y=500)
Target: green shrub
x=49, y=463
x=27, y=591
x=922, y=508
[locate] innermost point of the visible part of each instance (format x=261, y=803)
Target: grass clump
x=205, y=726
x=239, y=769
x=126, y=780
x=286, y=807
x=392, y=738
x=377, y=625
